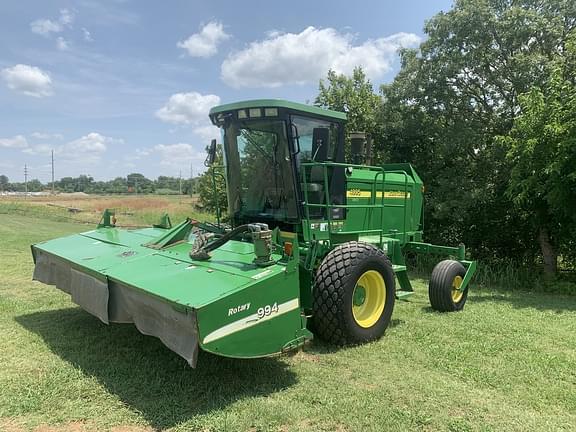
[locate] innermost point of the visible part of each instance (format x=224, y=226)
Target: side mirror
x=211, y=154
x=358, y=147
x=294, y=131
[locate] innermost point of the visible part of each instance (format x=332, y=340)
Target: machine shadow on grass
x=520, y=300
x=146, y=375
x=527, y=299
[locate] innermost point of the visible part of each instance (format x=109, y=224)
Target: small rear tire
x=354, y=294
x=443, y=289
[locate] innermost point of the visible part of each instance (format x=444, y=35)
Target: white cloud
x=206, y=133
x=45, y=27
x=62, y=44
x=302, y=58
x=205, y=42
x=177, y=155
x=84, y=150
x=46, y=136
x=92, y=144
x=29, y=80
x=18, y=141
x=187, y=108
x=66, y=17
x=40, y=149
x=87, y=35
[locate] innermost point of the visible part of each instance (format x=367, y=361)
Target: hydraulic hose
x=202, y=247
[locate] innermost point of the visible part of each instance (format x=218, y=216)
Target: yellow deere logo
x=394, y=194
x=358, y=193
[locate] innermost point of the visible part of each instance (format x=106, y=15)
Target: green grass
x=507, y=362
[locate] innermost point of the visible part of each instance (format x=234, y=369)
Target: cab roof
x=278, y=103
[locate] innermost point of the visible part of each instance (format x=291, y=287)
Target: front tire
x=354, y=294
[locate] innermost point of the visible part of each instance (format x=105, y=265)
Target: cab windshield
x=259, y=171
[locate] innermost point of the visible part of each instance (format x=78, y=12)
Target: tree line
x=134, y=183
x=485, y=109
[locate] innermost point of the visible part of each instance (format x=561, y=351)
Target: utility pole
x=52, y=172
x=191, y=177
x=180, y=182
x=26, y=178
x=136, y=185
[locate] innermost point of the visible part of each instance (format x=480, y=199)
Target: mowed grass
x=507, y=362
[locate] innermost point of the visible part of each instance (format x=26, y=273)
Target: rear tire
x=446, y=277
x=354, y=294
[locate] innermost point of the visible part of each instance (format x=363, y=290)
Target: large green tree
x=451, y=100
x=542, y=152
x=354, y=95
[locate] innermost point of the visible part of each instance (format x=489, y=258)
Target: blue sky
x=121, y=86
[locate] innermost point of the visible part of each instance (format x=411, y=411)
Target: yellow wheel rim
x=456, y=293
x=368, y=298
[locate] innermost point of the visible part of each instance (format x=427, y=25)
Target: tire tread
x=440, y=286
x=330, y=282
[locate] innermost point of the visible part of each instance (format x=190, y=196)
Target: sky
x=114, y=87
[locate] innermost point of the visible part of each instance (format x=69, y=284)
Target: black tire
x=334, y=287
x=440, y=287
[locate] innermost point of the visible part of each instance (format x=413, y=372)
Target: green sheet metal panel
x=85, y=252
x=170, y=273
x=257, y=320
x=400, y=192
x=278, y=103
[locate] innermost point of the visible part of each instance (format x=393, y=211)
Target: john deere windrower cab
x=311, y=242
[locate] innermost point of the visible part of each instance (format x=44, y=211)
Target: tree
x=451, y=100
x=35, y=185
x=4, y=182
x=354, y=95
x=138, y=183
x=542, y=151
x=211, y=186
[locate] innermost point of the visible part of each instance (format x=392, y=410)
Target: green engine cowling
x=397, y=188
x=385, y=200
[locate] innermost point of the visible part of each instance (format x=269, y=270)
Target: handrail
x=328, y=206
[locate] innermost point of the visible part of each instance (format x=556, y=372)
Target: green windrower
x=312, y=244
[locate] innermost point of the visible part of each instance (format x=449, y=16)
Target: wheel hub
x=368, y=298
x=457, y=294
x=359, y=295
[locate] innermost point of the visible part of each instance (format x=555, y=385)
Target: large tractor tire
x=354, y=294
x=443, y=289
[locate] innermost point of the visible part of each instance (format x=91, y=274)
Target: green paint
x=278, y=103
x=359, y=295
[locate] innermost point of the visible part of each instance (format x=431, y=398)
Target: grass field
x=130, y=209
x=507, y=362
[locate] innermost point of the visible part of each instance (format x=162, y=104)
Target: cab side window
x=318, y=142
x=317, y=139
